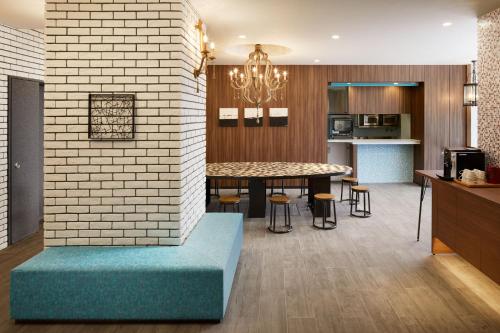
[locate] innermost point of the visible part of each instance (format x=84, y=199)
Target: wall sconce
x=470, y=89
x=207, y=52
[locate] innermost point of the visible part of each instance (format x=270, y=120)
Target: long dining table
x=318, y=175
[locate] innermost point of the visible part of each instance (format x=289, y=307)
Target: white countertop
x=377, y=141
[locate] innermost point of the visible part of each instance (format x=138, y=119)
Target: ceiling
x=370, y=31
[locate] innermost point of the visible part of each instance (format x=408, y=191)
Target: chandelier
x=260, y=81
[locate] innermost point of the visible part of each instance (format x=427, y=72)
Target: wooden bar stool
x=351, y=181
x=226, y=200
x=325, y=199
x=280, y=200
x=356, y=190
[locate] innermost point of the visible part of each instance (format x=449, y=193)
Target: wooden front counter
x=467, y=221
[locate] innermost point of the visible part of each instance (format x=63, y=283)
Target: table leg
x=207, y=191
x=423, y=188
x=257, y=197
x=318, y=185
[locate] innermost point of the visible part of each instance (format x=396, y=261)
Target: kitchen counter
x=375, y=160
x=377, y=141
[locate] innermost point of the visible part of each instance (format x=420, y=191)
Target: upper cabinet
x=379, y=100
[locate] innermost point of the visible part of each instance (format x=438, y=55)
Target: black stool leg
x=341, y=190
x=274, y=218
x=271, y=216
x=289, y=216
x=334, y=213
x=325, y=211
x=314, y=215
x=364, y=203
x=369, y=205
x=286, y=217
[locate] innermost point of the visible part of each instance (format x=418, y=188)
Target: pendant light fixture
x=259, y=81
x=470, y=89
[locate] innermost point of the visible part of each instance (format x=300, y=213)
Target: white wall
x=22, y=55
x=147, y=191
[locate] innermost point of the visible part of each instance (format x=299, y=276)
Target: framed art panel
x=278, y=117
x=228, y=117
x=253, y=117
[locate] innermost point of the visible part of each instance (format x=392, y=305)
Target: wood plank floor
x=368, y=275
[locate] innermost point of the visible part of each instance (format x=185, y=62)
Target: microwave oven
x=390, y=120
x=368, y=120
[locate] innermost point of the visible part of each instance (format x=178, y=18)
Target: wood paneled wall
x=439, y=117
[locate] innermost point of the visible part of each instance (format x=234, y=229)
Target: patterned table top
x=273, y=170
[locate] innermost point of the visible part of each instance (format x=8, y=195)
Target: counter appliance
x=339, y=126
x=457, y=159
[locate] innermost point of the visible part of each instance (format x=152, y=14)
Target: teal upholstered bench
x=188, y=282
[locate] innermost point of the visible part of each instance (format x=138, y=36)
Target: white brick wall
x=148, y=191
x=22, y=55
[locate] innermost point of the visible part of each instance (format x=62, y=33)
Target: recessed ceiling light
x=316, y=60
x=335, y=36
x=447, y=24
x=242, y=36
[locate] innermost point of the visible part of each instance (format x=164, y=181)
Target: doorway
x=25, y=157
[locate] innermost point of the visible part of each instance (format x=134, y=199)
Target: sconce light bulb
x=212, y=46
x=205, y=39
x=236, y=70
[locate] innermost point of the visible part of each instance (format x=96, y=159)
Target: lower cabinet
x=469, y=225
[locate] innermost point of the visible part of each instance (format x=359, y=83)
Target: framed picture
x=278, y=117
x=253, y=117
x=111, y=116
x=228, y=117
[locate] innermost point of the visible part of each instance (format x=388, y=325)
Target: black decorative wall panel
x=111, y=116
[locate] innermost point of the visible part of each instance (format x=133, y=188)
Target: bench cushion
x=188, y=282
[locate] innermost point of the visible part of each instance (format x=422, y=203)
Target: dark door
x=25, y=155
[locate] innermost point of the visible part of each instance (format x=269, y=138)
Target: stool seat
x=324, y=196
x=229, y=199
x=350, y=179
x=280, y=199
x=360, y=188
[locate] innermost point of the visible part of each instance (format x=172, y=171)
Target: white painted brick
x=147, y=191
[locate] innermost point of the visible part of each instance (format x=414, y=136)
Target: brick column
x=146, y=191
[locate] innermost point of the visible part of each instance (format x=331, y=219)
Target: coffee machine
x=458, y=159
